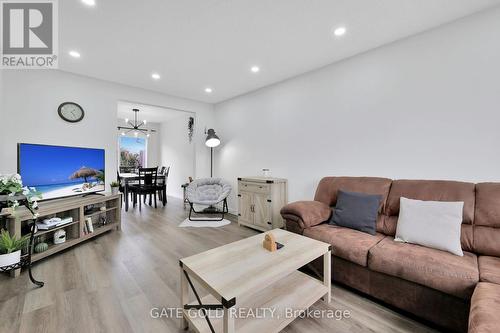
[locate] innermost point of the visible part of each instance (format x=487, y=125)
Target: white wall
x=178, y=153
x=154, y=146
x=424, y=107
x=29, y=114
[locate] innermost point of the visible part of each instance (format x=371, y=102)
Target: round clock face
x=71, y=112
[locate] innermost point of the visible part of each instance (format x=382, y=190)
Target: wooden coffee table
x=243, y=275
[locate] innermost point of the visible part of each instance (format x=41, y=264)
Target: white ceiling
x=194, y=44
x=151, y=113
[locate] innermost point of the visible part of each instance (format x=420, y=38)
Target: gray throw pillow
x=356, y=211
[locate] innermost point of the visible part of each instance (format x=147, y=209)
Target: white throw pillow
x=434, y=224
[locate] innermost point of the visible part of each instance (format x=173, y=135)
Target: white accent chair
x=210, y=192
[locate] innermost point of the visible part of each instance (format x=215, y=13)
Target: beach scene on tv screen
x=61, y=171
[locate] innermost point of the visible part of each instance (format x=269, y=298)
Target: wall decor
x=190, y=128
x=70, y=112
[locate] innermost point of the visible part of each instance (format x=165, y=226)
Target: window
x=132, y=152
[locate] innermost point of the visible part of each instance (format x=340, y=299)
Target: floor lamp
x=212, y=141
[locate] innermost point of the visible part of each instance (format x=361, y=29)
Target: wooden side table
x=184, y=196
x=260, y=201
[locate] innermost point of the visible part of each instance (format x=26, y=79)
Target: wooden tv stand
x=75, y=232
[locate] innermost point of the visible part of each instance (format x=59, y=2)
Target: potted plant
x=12, y=192
x=114, y=187
x=190, y=128
x=10, y=248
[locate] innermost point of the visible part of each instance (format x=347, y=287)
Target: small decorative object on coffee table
x=269, y=242
x=233, y=276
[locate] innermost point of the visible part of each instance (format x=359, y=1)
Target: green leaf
x=10, y=244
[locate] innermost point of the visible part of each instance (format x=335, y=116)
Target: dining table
x=129, y=178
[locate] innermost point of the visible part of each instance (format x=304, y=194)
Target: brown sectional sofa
x=432, y=284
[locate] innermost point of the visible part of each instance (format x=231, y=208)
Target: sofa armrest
x=300, y=215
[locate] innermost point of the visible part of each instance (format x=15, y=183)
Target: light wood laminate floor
x=111, y=283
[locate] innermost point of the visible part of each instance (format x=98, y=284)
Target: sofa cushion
x=328, y=188
x=487, y=219
x=346, y=243
x=484, y=309
x=357, y=211
x=433, y=224
x=432, y=190
x=432, y=268
x=489, y=269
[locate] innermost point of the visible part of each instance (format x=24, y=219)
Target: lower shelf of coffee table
x=297, y=292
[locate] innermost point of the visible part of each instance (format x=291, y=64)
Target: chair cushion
x=484, y=309
x=346, y=243
x=489, y=269
x=208, y=191
x=432, y=268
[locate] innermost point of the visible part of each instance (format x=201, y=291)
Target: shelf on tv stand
x=75, y=207
x=98, y=212
x=41, y=232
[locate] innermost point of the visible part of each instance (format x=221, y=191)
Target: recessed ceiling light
x=89, y=2
x=155, y=76
x=255, y=69
x=340, y=31
x=208, y=90
x=74, y=54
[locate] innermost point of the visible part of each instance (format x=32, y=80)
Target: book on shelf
x=90, y=226
x=53, y=223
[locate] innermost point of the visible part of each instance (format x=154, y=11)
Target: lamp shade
x=212, y=139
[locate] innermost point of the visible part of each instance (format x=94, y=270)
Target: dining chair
x=148, y=184
x=162, y=185
x=121, y=185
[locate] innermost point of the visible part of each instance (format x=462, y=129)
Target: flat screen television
x=57, y=171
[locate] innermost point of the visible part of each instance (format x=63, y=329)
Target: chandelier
x=135, y=126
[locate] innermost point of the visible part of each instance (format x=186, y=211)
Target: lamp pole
x=211, y=161
x=211, y=141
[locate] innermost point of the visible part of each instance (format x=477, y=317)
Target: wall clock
x=71, y=112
